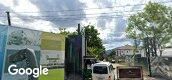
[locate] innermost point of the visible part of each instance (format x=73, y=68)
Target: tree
x=112, y=54
x=94, y=51
x=66, y=33
x=63, y=31
x=154, y=21
x=94, y=43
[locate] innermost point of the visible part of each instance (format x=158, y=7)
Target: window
x=110, y=68
x=137, y=51
x=100, y=70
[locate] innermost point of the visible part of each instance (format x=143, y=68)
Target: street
x=146, y=77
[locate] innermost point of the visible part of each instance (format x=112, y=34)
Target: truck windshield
x=100, y=70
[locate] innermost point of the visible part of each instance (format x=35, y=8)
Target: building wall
x=121, y=52
x=166, y=52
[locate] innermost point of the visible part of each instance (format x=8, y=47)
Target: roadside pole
x=8, y=18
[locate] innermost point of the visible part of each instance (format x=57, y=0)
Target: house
x=128, y=50
x=167, y=52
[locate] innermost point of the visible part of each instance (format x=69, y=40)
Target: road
x=153, y=78
x=145, y=76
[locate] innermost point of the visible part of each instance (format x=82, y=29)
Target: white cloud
x=20, y=5
x=111, y=29
x=41, y=25
x=25, y=6
x=116, y=44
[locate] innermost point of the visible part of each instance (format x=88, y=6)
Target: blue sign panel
x=3, y=36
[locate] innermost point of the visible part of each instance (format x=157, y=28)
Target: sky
x=108, y=16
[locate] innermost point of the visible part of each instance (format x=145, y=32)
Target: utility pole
x=79, y=29
x=8, y=18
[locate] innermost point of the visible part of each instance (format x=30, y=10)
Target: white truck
x=129, y=73
x=103, y=71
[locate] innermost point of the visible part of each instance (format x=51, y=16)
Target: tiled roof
x=125, y=47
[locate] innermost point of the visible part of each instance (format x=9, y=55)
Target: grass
x=53, y=74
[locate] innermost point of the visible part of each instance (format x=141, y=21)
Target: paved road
x=145, y=77
x=153, y=78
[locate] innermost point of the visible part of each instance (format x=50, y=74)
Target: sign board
x=133, y=72
x=45, y=49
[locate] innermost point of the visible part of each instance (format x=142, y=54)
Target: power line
x=81, y=14
x=94, y=15
x=75, y=19
x=60, y=17
x=94, y=8
x=74, y=16
x=71, y=19
x=52, y=18
x=3, y=16
x=86, y=14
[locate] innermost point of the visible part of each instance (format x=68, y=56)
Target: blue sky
x=108, y=16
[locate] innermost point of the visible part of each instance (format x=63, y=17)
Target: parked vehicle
x=129, y=73
x=103, y=71
x=113, y=61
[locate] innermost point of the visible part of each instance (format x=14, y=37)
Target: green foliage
x=66, y=33
x=94, y=43
x=91, y=35
x=94, y=51
x=154, y=21
x=112, y=55
x=63, y=31
x=87, y=74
